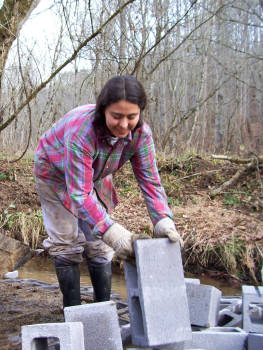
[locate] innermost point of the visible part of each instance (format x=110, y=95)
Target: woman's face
x=122, y=117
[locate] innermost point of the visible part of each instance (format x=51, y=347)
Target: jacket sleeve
x=146, y=172
x=80, y=186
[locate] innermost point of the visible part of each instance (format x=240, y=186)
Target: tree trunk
x=13, y=14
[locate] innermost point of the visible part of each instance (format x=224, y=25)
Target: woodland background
x=201, y=62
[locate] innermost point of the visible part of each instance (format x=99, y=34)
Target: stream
x=42, y=269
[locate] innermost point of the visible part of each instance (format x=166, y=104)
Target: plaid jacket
x=78, y=162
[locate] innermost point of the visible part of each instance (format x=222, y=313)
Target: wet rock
x=13, y=254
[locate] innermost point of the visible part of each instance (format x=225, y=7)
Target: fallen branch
x=251, y=165
x=198, y=174
x=237, y=160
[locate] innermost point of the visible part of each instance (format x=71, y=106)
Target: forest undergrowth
x=222, y=233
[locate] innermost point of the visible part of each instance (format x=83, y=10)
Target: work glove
x=121, y=240
x=166, y=228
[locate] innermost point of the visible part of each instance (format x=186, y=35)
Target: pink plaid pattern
x=77, y=161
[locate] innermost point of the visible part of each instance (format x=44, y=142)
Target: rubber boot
x=100, y=275
x=69, y=282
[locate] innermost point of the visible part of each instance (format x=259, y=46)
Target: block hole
x=137, y=310
x=45, y=343
x=133, y=276
x=224, y=320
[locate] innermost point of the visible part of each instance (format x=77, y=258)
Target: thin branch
x=234, y=178
x=63, y=65
x=137, y=64
x=28, y=106
x=91, y=18
x=187, y=115
x=184, y=39
x=235, y=159
x=198, y=174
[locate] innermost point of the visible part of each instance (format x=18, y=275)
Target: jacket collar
x=111, y=140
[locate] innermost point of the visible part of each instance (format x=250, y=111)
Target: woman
x=74, y=163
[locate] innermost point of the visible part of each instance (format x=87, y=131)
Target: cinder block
x=101, y=326
x=219, y=338
x=226, y=302
x=255, y=341
x=70, y=336
x=204, y=304
x=156, y=292
x=252, y=309
x=228, y=318
x=192, y=280
x=126, y=334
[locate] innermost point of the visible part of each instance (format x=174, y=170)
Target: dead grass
x=221, y=239
x=29, y=228
x=224, y=234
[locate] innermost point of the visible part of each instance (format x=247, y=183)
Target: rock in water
x=13, y=254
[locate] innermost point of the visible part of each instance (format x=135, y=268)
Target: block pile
x=167, y=311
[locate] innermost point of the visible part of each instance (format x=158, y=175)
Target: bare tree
x=200, y=61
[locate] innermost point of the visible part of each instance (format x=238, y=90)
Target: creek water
x=42, y=269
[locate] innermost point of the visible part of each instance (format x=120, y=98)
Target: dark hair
x=120, y=87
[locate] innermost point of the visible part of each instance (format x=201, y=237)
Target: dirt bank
x=223, y=235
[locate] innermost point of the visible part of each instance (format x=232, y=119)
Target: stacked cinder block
x=101, y=326
x=70, y=336
x=157, y=294
x=204, y=304
x=162, y=305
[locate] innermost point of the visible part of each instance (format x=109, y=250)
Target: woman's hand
x=121, y=240
x=166, y=228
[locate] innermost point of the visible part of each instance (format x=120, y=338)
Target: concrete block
x=70, y=336
x=219, y=338
x=100, y=322
x=192, y=280
x=226, y=302
x=231, y=316
x=156, y=292
x=255, y=341
x=204, y=304
x=252, y=309
x=126, y=334
x=228, y=318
